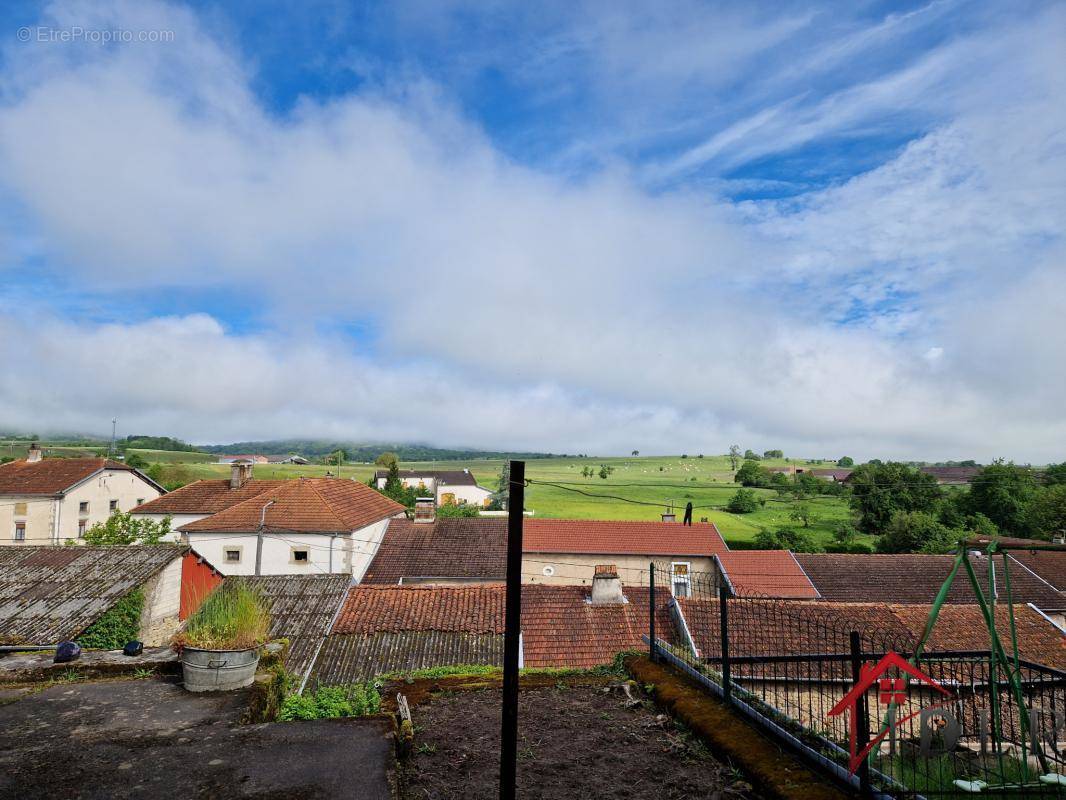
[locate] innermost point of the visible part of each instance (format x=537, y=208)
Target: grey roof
x=301, y=608
x=48, y=594
x=355, y=657
x=447, y=477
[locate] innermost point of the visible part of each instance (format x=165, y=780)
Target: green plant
x=121, y=528
x=331, y=702
x=143, y=672
x=119, y=624
x=426, y=749
x=233, y=617
x=743, y=502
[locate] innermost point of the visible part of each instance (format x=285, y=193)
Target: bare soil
x=574, y=742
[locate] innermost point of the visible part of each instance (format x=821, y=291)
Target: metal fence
x=937, y=726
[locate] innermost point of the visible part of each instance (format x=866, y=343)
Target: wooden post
x=512, y=631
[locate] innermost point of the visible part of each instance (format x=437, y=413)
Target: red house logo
x=890, y=691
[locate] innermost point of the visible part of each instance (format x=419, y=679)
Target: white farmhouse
x=449, y=487
x=309, y=526
x=55, y=500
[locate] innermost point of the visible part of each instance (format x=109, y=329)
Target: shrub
x=121, y=528
x=743, y=502
x=455, y=510
x=786, y=539
x=330, y=702
x=119, y=624
x=234, y=617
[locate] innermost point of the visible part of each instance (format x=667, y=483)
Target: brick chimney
x=425, y=509
x=34, y=453
x=240, y=472
x=606, y=586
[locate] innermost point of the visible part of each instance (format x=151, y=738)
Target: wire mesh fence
x=840, y=683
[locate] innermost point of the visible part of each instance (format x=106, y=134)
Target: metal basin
x=218, y=670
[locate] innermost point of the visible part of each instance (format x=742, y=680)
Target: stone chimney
x=240, y=472
x=425, y=509
x=606, y=586
x=669, y=516
x=34, y=453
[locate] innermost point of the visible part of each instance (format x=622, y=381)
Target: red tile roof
x=382, y=609
x=451, y=547
x=53, y=475
x=612, y=537
x=310, y=505
x=767, y=573
x=205, y=497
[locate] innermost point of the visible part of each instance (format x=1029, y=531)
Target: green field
x=652, y=482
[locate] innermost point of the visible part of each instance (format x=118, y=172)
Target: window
x=113, y=505
x=680, y=582
x=140, y=501
x=233, y=555
x=83, y=507
x=81, y=528
x=298, y=555
x=20, y=531
x=20, y=509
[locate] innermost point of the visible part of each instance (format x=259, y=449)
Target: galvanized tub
x=218, y=670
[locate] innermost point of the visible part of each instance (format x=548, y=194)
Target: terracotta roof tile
x=769, y=573
x=914, y=578
x=52, y=475
x=379, y=609
x=450, y=547
x=313, y=505
x=205, y=497
x=621, y=538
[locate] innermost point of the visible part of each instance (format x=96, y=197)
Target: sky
x=583, y=227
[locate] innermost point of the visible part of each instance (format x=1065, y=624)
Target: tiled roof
x=841, y=474
x=789, y=627
x=449, y=547
x=448, y=477
x=311, y=505
x=301, y=610
x=52, y=593
x=560, y=628
x=952, y=474
x=1047, y=565
x=205, y=497
x=769, y=573
x=381, y=609
x=611, y=537
x=355, y=657
x=913, y=578
x=52, y=475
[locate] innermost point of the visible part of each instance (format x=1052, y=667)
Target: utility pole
x=512, y=630
x=114, y=427
x=259, y=538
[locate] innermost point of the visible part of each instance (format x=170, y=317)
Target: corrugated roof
x=48, y=594
x=312, y=505
x=915, y=578
x=53, y=475
x=769, y=573
x=450, y=547
x=612, y=537
x=301, y=610
x=354, y=657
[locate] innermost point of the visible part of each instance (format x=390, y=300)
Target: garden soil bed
x=573, y=742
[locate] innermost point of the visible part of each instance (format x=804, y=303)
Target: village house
x=837, y=475
x=951, y=476
x=447, y=487
x=251, y=458
x=50, y=594
x=56, y=500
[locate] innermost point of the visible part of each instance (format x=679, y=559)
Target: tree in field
x=135, y=461
x=337, y=457
x=387, y=459
x=1055, y=474
x=1002, y=492
x=917, y=532
x=605, y=471
x=743, y=502
x=786, y=539
x=846, y=461
x=773, y=454
x=734, y=456
x=751, y=455
x=121, y=528
x=1046, y=514
x=503, y=487
x=751, y=474
x=878, y=491
x=802, y=513
x=636, y=453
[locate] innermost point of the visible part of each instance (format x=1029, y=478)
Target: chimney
x=425, y=509
x=240, y=472
x=34, y=453
x=1059, y=537
x=669, y=517
x=606, y=586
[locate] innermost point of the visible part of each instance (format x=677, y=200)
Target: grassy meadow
x=652, y=482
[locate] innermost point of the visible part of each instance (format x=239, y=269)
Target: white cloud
x=511, y=307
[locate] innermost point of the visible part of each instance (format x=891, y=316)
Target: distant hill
x=316, y=448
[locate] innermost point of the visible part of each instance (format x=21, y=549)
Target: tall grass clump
x=234, y=617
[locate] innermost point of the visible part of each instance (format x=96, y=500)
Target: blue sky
x=823, y=227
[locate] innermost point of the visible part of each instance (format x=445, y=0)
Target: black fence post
x=651, y=613
x=727, y=681
x=862, y=718
x=512, y=629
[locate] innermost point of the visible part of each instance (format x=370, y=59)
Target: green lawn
x=660, y=480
